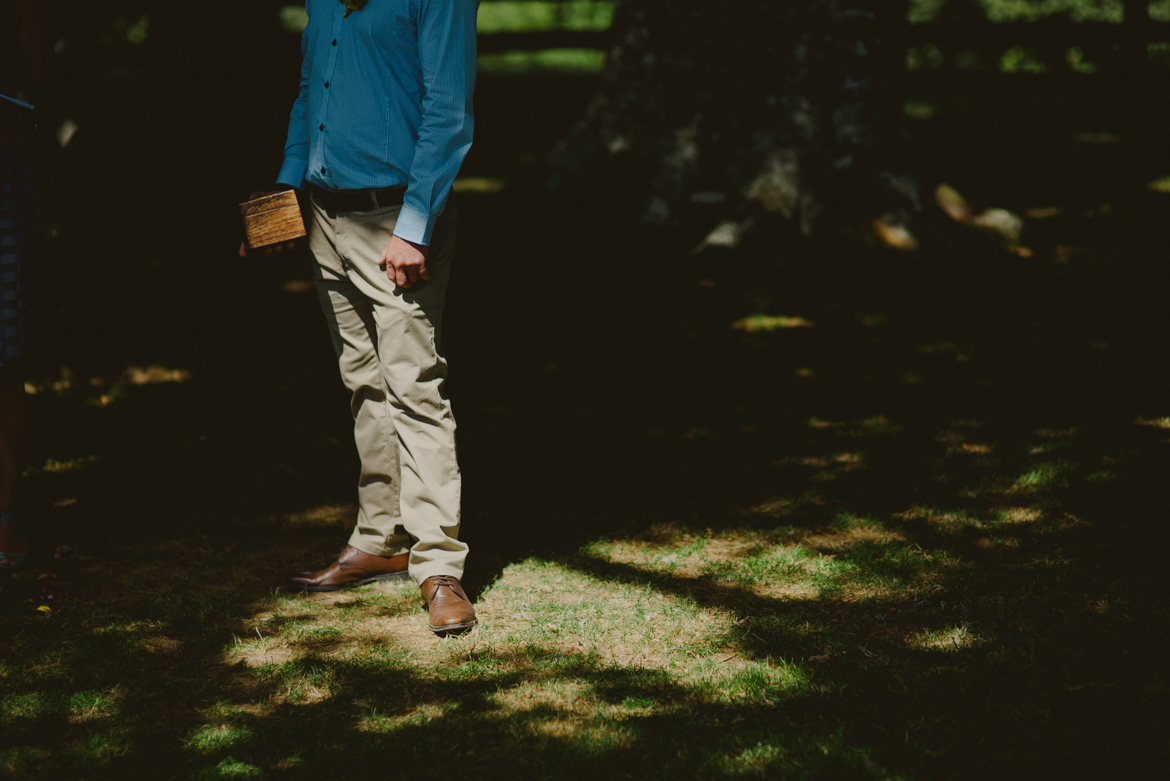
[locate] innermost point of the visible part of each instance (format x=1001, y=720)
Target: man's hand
x=405, y=262
x=278, y=248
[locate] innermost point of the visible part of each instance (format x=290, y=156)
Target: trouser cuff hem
x=374, y=549
x=420, y=574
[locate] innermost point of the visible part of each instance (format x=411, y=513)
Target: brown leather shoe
x=352, y=568
x=450, y=610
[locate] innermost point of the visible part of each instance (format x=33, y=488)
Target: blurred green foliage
x=544, y=60
x=511, y=16
x=1017, y=10
x=1033, y=10
x=1026, y=56
x=294, y=18
x=1030, y=10
x=530, y=16
x=499, y=16
x=516, y=16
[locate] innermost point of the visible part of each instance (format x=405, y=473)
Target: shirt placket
x=323, y=119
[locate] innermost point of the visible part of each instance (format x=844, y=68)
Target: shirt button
x=334, y=41
x=322, y=169
x=326, y=85
x=320, y=127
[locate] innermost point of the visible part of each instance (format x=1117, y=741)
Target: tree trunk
x=787, y=108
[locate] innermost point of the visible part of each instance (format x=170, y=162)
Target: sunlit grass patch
x=951, y=638
x=809, y=503
x=875, y=426
x=1154, y=422
x=385, y=723
x=93, y=705
x=681, y=553
x=970, y=448
x=828, y=467
x=325, y=515
x=826, y=756
x=946, y=520
x=1018, y=515
x=764, y=682
x=107, y=389
x=582, y=690
x=301, y=681
x=778, y=567
x=210, y=739
x=91, y=708
x=572, y=695
x=345, y=625
x=1049, y=447
x=764, y=323
x=621, y=619
x=231, y=768
x=53, y=466
x=753, y=761
x=28, y=705
x=988, y=486
x=884, y=569
x=1050, y=474
x=856, y=558
x=154, y=375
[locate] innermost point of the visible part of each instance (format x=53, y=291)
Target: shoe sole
x=404, y=575
x=453, y=629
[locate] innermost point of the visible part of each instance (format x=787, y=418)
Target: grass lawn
x=838, y=514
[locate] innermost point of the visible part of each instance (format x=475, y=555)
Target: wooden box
x=272, y=219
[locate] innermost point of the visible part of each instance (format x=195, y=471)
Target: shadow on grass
x=954, y=471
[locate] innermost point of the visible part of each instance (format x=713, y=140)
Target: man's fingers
x=243, y=249
x=406, y=263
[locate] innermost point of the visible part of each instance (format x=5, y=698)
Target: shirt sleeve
x=296, y=148
x=446, y=51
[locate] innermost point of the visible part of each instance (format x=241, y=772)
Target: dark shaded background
x=599, y=387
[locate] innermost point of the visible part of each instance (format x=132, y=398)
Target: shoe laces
x=450, y=581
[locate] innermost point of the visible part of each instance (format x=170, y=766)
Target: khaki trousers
x=388, y=345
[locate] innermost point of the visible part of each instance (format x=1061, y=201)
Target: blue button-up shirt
x=385, y=100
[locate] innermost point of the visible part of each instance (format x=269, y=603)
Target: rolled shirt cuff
x=415, y=226
x=293, y=173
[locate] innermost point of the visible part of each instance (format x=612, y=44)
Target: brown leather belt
x=358, y=200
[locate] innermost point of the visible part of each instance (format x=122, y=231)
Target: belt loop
x=374, y=198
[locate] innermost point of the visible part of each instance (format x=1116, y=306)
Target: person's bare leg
x=12, y=538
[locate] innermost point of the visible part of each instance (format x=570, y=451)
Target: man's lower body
x=388, y=345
